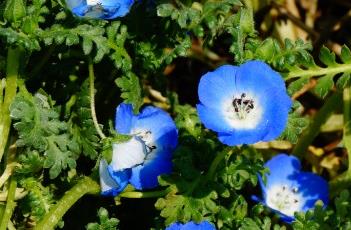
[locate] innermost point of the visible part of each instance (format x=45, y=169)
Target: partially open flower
x=204, y=225
x=145, y=156
x=244, y=104
x=103, y=9
x=289, y=190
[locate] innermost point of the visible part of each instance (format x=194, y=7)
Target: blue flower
x=204, y=225
x=145, y=156
x=244, y=104
x=289, y=190
x=103, y=9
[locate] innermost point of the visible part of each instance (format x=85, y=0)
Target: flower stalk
x=85, y=186
x=331, y=104
x=12, y=73
x=92, y=99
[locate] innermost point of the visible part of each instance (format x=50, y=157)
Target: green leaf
x=59, y=154
x=295, y=125
x=106, y=223
x=327, y=57
x=323, y=86
x=345, y=54
x=165, y=10
x=131, y=90
x=14, y=10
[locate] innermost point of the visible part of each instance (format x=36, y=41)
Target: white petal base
x=128, y=154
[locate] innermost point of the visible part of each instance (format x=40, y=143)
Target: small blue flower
x=204, y=225
x=289, y=190
x=103, y=9
x=145, y=156
x=244, y=104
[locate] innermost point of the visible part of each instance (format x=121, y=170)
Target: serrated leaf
x=59, y=155
x=327, y=57
x=323, y=86
x=131, y=90
x=106, y=223
x=165, y=10
x=295, y=125
x=345, y=54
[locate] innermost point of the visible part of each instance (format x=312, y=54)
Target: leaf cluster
x=106, y=223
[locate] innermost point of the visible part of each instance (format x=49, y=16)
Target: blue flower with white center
x=102, y=9
x=204, y=225
x=244, y=104
x=289, y=190
x=145, y=156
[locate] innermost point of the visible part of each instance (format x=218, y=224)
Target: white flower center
x=242, y=111
x=147, y=137
x=93, y=2
x=285, y=199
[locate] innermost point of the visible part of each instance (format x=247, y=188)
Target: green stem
x=92, y=99
x=12, y=68
x=347, y=125
x=215, y=163
x=10, y=204
x=152, y=194
x=318, y=71
x=85, y=186
x=343, y=181
x=331, y=104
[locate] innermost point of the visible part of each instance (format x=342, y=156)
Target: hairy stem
x=318, y=71
x=331, y=104
x=10, y=204
x=6, y=213
x=12, y=68
x=85, y=186
x=152, y=194
x=92, y=99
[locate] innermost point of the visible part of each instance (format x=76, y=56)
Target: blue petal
x=109, y=187
x=120, y=177
x=276, y=115
x=145, y=176
x=312, y=188
x=124, y=118
x=213, y=119
x=259, y=76
x=164, y=131
x=204, y=225
x=216, y=86
x=108, y=9
x=281, y=168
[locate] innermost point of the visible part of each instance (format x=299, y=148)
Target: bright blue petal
x=212, y=119
x=120, y=177
x=216, y=86
x=107, y=9
x=175, y=226
x=163, y=129
x=257, y=76
x=109, y=186
x=312, y=187
x=276, y=115
x=145, y=176
x=124, y=118
x=204, y=225
x=281, y=168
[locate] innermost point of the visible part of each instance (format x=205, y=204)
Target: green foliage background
x=156, y=55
